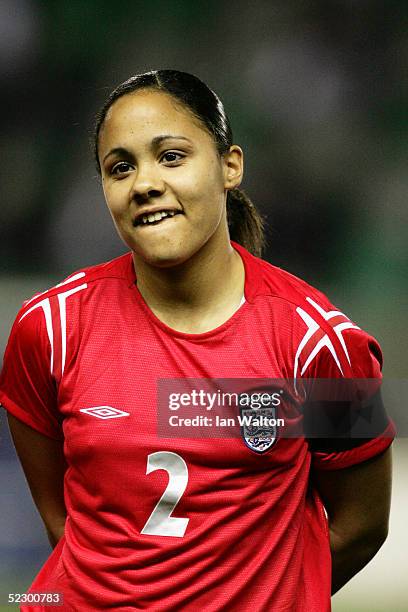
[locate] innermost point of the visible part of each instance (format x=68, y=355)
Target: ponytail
x=246, y=225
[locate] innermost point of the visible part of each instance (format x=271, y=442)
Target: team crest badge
x=258, y=428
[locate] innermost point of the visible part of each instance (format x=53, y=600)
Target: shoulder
x=90, y=277
x=288, y=287
x=47, y=322
x=42, y=316
x=271, y=281
x=321, y=339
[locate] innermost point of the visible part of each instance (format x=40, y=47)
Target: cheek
x=204, y=190
x=210, y=197
x=114, y=200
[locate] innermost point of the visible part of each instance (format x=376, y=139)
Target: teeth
x=157, y=216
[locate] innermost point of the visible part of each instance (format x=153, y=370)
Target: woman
x=173, y=523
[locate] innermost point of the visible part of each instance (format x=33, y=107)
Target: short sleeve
x=27, y=387
x=361, y=359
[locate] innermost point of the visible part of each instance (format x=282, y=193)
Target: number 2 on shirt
x=160, y=522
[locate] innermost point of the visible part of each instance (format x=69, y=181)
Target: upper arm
x=357, y=499
x=28, y=391
x=42, y=459
x=352, y=469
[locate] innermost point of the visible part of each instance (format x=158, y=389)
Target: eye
x=171, y=157
x=121, y=168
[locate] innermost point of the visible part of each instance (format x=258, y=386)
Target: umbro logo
x=104, y=412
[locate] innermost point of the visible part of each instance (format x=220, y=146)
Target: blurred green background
x=317, y=95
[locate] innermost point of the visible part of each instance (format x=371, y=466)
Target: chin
x=163, y=257
x=167, y=253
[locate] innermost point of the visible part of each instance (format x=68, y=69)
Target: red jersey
x=171, y=524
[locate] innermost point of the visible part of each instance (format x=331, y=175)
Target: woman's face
x=164, y=182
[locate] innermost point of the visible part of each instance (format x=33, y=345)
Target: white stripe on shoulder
x=46, y=306
x=68, y=280
x=62, y=297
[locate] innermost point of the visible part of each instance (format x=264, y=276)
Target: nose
x=147, y=183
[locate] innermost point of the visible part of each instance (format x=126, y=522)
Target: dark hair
x=244, y=222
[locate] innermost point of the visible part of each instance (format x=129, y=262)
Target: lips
x=152, y=217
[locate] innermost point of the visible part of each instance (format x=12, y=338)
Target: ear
x=233, y=167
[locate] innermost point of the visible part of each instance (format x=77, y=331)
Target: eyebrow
x=157, y=140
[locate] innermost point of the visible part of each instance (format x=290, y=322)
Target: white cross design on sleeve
x=316, y=338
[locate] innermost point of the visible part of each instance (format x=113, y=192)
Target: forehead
x=147, y=113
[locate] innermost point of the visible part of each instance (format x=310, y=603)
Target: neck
x=198, y=294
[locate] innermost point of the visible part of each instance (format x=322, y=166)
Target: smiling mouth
x=156, y=217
